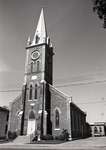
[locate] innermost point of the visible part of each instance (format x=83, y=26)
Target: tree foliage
x=99, y=6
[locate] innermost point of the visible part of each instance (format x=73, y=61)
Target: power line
x=63, y=85
x=16, y=90
x=93, y=102
x=78, y=84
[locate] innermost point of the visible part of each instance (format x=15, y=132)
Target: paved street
x=93, y=143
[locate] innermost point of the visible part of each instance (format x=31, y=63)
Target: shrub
x=47, y=137
x=35, y=138
x=64, y=136
x=43, y=137
x=12, y=135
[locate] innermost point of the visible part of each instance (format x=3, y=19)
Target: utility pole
x=24, y=90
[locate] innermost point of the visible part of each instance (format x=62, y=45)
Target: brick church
x=41, y=107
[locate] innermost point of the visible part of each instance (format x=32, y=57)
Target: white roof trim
x=58, y=91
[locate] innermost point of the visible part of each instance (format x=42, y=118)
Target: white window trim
x=57, y=108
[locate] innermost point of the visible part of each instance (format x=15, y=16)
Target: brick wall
x=61, y=103
x=78, y=121
x=14, y=119
x=3, y=122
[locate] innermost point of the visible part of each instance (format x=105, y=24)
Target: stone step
x=22, y=139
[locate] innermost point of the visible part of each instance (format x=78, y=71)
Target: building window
x=38, y=65
x=35, y=91
x=95, y=130
x=34, y=66
x=30, y=93
x=31, y=67
x=100, y=129
x=57, y=118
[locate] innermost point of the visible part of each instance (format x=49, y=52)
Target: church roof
x=41, y=32
x=59, y=92
x=68, y=98
x=77, y=107
x=18, y=98
x=4, y=109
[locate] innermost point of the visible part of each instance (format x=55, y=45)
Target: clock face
x=35, y=55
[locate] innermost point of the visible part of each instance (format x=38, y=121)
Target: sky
x=79, y=63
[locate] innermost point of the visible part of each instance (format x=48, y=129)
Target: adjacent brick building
x=14, y=115
x=98, y=129
x=45, y=109
x=4, y=115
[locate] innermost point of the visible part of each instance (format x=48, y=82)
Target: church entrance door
x=31, y=127
x=31, y=123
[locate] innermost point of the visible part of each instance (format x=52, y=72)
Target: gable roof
x=68, y=98
x=60, y=92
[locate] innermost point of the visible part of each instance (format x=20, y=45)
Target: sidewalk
x=93, y=143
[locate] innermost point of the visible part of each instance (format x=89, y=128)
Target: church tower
x=38, y=76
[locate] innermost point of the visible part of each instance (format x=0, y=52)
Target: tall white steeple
x=40, y=35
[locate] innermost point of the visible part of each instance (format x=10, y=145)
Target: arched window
x=57, y=118
x=31, y=115
x=31, y=67
x=30, y=92
x=95, y=130
x=35, y=91
x=34, y=66
x=38, y=65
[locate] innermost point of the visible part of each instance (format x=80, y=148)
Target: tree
x=99, y=6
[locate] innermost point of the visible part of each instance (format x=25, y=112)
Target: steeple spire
x=41, y=33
